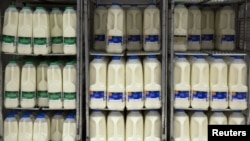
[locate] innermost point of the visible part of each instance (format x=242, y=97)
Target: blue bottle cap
x=199, y=56
x=116, y=58
x=133, y=57
x=116, y=3
x=151, y=56
x=181, y=56
x=98, y=57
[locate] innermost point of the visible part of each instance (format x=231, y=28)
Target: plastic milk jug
x=218, y=118
x=69, y=31
x=237, y=81
x=100, y=27
x=56, y=129
x=134, y=83
x=25, y=128
x=10, y=128
x=151, y=28
x=116, y=29
x=194, y=28
x=116, y=84
x=134, y=28
x=181, y=126
x=115, y=126
x=182, y=86
x=152, y=126
x=28, y=85
x=42, y=90
x=25, y=31
x=9, y=33
x=207, y=28
x=198, y=126
x=180, y=27
x=134, y=126
x=40, y=130
x=56, y=30
x=236, y=118
x=152, y=81
x=98, y=126
x=11, y=85
x=69, y=129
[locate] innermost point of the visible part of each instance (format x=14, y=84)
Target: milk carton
x=9, y=34
x=115, y=126
x=25, y=31
x=152, y=82
x=69, y=31
x=134, y=28
x=152, y=126
x=42, y=89
x=134, y=126
x=194, y=28
x=116, y=84
x=207, y=28
x=116, y=29
x=151, y=28
x=198, y=126
x=10, y=128
x=56, y=30
x=98, y=126
x=218, y=118
x=28, y=85
x=98, y=82
x=56, y=129
x=69, y=129
x=25, y=128
x=41, y=31
x=182, y=86
x=237, y=81
x=100, y=27
x=181, y=126
x=236, y=118
x=180, y=27
x=40, y=129
x=11, y=85
x=134, y=83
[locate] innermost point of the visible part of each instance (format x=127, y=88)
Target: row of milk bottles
x=194, y=127
x=39, y=31
x=118, y=83
x=116, y=30
x=214, y=82
x=45, y=85
x=204, y=29
x=136, y=127
x=39, y=127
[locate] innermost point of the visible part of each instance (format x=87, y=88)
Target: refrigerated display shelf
x=143, y=53
x=191, y=53
x=18, y=54
x=227, y=53
x=106, y=109
x=39, y=108
x=103, y=53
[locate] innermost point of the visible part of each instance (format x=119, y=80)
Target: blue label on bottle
x=207, y=37
x=151, y=39
x=134, y=38
x=227, y=38
x=100, y=38
x=182, y=95
x=115, y=40
x=194, y=38
x=97, y=95
x=239, y=96
x=118, y=97
x=153, y=95
x=134, y=96
x=219, y=96
x=200, y=95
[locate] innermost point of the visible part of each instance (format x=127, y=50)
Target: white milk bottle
x=56, y=30
x=194, y=28
x=42, y=90
x=151, y=28
x=69, y=31
x=9, y=33
x=182, y=86
x=181, y=126
x=218, y=83
x=116, y=29
x=134, y=83
x=25, y=31
x=116, y=84
x=198, y=126
x=180, y=27
x=11, y=85
x=41, y=31
x=98, y=126
x=152, y=126
x=134, y=28
x=69, y=86
x=54, y=74
x=100, y=27
x=115, y=126
x=200, y=83
x=69, y=129
x=225, y=23
x=10, y=128
x=25, y=128
x=134, y=126
x=152, y=81
x=237, y=81
x=236, y=118
x=28, y=85
x=56, y=129
x=40, y=129
x=218, y=118
x=98, y=82
x=207, y=28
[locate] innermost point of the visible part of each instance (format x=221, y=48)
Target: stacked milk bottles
x=152, y=126
x=182, y=86
x=116, y=29
x=116, y=84
x=42, y=89
x=98, y=80
x=218, y=118
x=198, y=126
x=98, y=126
x=218, y=83
x=134, y=126
x=134, y=83
x=238, y=90
x=11, y=85
x=41, y=128
x=100, y=27
x=134, y=28
x=115, y=126
x=10, y=128
x=181, y=126
x=180, y=27
x=194, y=28
x=25, y=128
x=9, y=34
x=69, y=128
x=236, y=118
x=151, y=28
x=56, y=129
x=152, y=81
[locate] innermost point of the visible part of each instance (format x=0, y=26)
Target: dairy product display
x=181, y=126
x=198, y=126
x=98, y=126
x=41, y=84
x=134, y=126
x=41, y=129
x=236, y=118
x=152, y=126
x=218, y=118
x=10, y=128
x=115, y=126
x=56, y=129
x=207, y=28
x=69, y=129
x=25, y=128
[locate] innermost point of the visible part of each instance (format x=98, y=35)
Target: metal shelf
x=125, y=109
x=191, y=53
x=227, y=53
x=103, y=53
x=126, y=2
x=18, y=54
x=208, y=1
x=39, y=108
x=143, y=53
x=208, y=109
